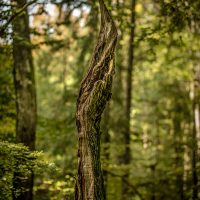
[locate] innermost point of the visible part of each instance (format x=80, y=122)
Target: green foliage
x=181, y=13
x=16, y=158
x=7, y=103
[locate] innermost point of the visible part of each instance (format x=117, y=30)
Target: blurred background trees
x=164, y=118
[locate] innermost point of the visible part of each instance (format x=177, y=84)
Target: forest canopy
x=99, y=99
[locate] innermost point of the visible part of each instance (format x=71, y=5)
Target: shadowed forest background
x=150, y=129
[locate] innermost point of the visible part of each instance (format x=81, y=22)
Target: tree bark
x=106, y=143
x=94, y=93
x=25, y=94
x=127, y=152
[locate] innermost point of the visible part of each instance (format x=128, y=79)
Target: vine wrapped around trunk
x=94, y=93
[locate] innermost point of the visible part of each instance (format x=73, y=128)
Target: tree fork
x=94, y=93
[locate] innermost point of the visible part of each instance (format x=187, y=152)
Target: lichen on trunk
x=94, y=93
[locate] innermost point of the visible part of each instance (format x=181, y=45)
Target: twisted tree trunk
x=94, y=93
x=106, y=142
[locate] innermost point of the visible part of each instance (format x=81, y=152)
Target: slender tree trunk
x=127, y=152
x=194, y=160
x=25, y=94
x=179, y=152
x=195, y=131
x=153, y=170
x=94, y=93
x=187, y=158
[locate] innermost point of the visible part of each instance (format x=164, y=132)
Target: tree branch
x=14, y=15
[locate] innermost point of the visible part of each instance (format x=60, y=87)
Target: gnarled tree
x=94, y=93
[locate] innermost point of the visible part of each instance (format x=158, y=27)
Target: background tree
x=25, y=94
x=127, y=130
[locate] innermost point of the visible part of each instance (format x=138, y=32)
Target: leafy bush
x=16, y=158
